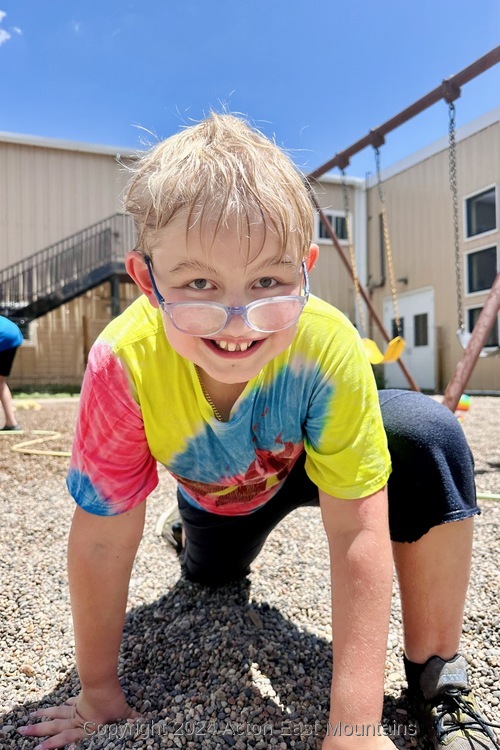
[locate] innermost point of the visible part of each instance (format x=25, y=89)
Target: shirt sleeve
x=111, y=468
x=346, y=445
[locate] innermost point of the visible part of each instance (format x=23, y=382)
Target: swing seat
x=464, y=337
x=395, y=349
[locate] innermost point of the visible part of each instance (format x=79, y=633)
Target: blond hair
x=220, y=171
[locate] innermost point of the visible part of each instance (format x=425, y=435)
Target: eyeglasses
x=267, y=315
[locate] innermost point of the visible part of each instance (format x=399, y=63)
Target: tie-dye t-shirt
x=142, y=403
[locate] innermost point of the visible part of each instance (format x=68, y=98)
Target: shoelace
x=453, y=704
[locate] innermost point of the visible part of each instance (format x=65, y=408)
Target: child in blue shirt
x=11, y=339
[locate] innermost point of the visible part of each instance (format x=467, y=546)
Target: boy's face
x=191, y=267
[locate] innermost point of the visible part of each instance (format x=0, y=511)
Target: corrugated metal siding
x=47, y=194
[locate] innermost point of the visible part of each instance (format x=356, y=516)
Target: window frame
x=329, y=213
x=466, y=198
x=471, y=251
x=480, y=307
x=427, y=335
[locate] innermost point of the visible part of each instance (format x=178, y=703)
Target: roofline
x=335, y=179
x=465, y=131
x=55, y=143
x=122, y=151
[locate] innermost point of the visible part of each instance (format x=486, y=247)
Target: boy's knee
x=417, y=425
x=210, y=575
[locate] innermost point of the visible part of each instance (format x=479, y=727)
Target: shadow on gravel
x=208, y=668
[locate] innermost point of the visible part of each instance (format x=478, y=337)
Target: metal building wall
x=47, y=194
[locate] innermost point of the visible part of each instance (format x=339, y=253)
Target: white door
x=416, y=310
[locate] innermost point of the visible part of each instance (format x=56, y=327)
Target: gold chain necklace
x=215, y=410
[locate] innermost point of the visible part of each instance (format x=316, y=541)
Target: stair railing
x=61, y=266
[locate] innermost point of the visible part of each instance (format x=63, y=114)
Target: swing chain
x=452, y=151
x=387, y=244
x=352, y=256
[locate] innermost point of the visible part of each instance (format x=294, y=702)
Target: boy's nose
x=236, y=326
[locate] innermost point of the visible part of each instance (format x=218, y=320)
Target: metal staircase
x=54, y=276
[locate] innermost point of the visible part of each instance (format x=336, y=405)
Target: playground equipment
x=462, y=334
x=449, y=90
x=463, y=407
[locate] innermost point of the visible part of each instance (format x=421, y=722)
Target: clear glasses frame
x=245, y=311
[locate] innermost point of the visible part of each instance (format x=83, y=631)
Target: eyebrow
x=281, y=263
x=194, y=265
x=200, y=266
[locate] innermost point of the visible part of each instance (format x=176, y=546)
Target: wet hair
x=218, y=173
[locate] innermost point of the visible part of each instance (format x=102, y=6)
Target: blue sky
x=317, y=74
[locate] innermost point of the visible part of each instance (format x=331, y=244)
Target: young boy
x=258, y=398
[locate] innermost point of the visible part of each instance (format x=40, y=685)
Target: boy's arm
x=361, y=580
x=101, y=552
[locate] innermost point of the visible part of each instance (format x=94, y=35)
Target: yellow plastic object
x=394, y=350
x=21, y=403
x=48, y=435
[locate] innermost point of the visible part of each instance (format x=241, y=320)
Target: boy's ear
x=311, y=257
x=137, y=269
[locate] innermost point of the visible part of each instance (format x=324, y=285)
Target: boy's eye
x=200, y=284
x=266, y=282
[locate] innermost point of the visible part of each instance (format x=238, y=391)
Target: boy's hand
x=76, y=719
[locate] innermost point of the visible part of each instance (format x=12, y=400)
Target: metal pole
x=472, y=351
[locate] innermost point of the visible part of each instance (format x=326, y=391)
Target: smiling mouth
x=234, y=346
x=226, y=347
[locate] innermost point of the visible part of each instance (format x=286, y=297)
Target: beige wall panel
x=330, y=281
x=330, y=195
x=47, y=194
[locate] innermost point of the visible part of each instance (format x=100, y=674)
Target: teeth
x=231, y=346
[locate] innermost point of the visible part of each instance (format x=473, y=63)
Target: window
x=481, y=270
x=421, y=329
x=339, y=226
x=472, y=316
x=481, y=213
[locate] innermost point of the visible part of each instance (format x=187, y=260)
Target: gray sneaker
x=446, y=709
x=169, y=526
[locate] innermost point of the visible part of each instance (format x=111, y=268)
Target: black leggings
x=432, y=482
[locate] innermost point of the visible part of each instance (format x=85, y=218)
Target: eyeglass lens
x=275, y=314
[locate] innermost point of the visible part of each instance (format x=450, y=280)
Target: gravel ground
x=243, y=666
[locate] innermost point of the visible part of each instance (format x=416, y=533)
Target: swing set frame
x=449, y=90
